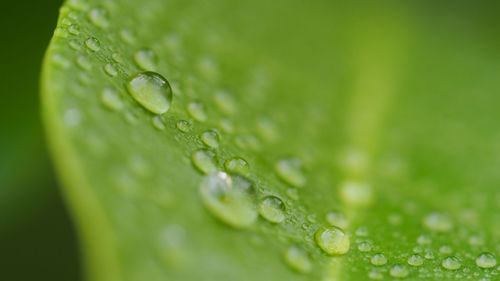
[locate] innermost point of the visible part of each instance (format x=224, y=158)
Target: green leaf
x=302, y=141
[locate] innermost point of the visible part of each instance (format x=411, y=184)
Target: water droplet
x=356, y=193
x=184, y=126
x=337, y=219
x=272, y=209
x=93, y=44
x=127, y=36
x=415, y=260
x=60, y=32
x=332, y=240
x=438, y=222
x=361, y=231
x=225, y=102
x=445, y=249
x=145, y=59
x=451, y=263
x=297, y=259
x=237, y=165
x=290, y=170
x=110, y=70
x=72, y=117
x=117, y=57
x=60, y=60
x=247, y=142
x=99, y=17
x=158, y=122
x=399, y=271
x=378, y=259
x=204, y=161
x=423, y=240
x=486, y=260
x=227, y=200
x=197, y=111
x=375, y=275
x=84, y=62
x=151, y=90
x=74, y=44
x=293, y=193
x=210, y=138
x=111, y=99
x=226, y=125
x=74, y=29
x=364, y=247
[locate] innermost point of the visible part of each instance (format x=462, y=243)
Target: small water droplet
x=423, y=240
x=117, y=57
x=445, y=249
x=74, y=44
x=225, y=102
x=84, y=62
x=197, y=111
x=364, y=247
x=145, y=59
x=293, y=193
x=93, y=44
x=127, y=36
x=378, y=259
x=438, y=222
x=486, y=260
x=60, y=60
x=290, y=171
x=297, y=259
x=332, y=240
x=415, y=260
x=356, y=193
x=451, y=263
x=247, y=142
x=210, y=138
x=111, y=99
x=361, y=231
x=237, y=165
x=110, y=70
x=226, y=125
x=74, y=29
x=337, y=218
x=272, y=209
x=227, y=200
x=204, y=161
x=99, y=17
x=184, y=126
x=151, y=90
x=375, y=275
x=158, y=122
x=399, y=271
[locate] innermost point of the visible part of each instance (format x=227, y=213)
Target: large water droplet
x=486, y=260
x=210, y=138
x=451, y=263
x=399, y=271
x=237, y=165
x=438, y=222
x=415, y=260
x=297, y=259
x=332, y=240
x=228, y=199
x=204, y=161
x=378, y=259
x=111, y=99
x=146, y=59
x=151, y=90
x=99, y=17
x=197, y=111
x=272, y=209
x=290, y=170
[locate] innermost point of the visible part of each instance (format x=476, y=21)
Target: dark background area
x=37, y=239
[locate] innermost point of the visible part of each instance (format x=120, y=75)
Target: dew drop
x=117, y=57
x=247, y=142
x=290, y=171
x=74, y=44
x=184, y=126
x=225, y=102
x=99, y=17
x=111, y=99
x=158, y=122
x=399, y=271
x=74, y=29
x=272, y=209
x=297, y=259
x=364, y=247
x=93, y=44
x=145, y=59
x=423, y=240
x=378, y=259
x=110, y=70
x=226, y=125
x=451, y=263
x=127, y=36
x=332, y=240
x=375, y=275
x=84, y=62
x=415, y=260
x=203, y=160
x=237, y=165
x=228, y=200
x=356, y=193
x=438, y=222
x=210, y=138
x=486, y=260
x=337, y=219
x=445, y=250
x=151, y=90
x=197, y=111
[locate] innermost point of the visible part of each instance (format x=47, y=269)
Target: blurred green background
x=37, y=239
